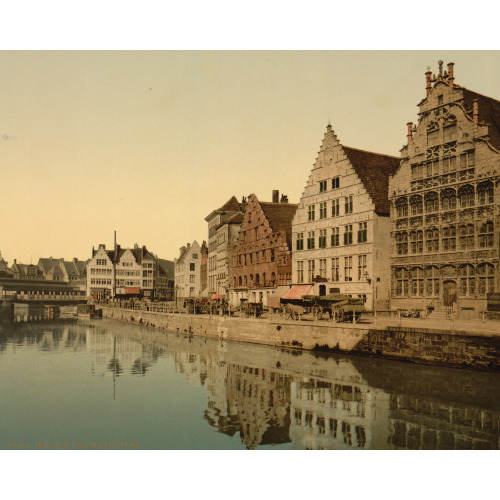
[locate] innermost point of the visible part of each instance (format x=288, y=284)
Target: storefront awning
x=298, y=291
x=132, y=291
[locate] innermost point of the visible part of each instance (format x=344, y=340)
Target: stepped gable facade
x=262, y=257
x=444, y=202
x=341, y=228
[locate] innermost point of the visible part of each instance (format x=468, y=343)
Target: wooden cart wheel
x=285, y=313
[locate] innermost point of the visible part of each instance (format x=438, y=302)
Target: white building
x=188, y=271
x=341, y=230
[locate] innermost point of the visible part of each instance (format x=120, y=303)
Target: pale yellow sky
x=149, y=143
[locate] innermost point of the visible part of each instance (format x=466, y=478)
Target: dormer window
x=440, y=100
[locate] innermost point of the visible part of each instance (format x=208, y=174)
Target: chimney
x=475, y=110
x=276, y=196
x=115, y=243
x=284, y=198
x=409, y=135
x=451, y=78
x=428, y=75
x=15, y=261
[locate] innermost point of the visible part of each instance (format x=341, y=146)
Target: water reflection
x=270, y=396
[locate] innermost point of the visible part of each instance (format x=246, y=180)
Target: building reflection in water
x=271, y=396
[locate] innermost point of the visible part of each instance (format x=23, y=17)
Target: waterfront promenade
x=473, y=344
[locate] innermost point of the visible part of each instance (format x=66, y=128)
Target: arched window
x=432, y=240
x=264, y=278
x=245, y=280
x=402, y=277
x=273, y=277
x=251, y=279
x=485, y=193
x=466, y=237
x=257, y=279
x=467, y=280
x=417, y=282
x=450, y=129
x=466, y=196
x=417, y=241
x=432, y=281
x=402, y=207
x=417, y=206
x=240, y=281
x=486, y=279
x=402, y=243
x=433, y=134
x=485, y=238
x=449, y=238
x=431, y=202
x=448, y=199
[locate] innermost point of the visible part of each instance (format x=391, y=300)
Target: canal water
x=98, y=384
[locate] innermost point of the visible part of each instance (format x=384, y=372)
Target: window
x=416, y=204
x=191, y=266
x=322, y=238
x=485, y=193
x=191, y=292
x=402, y=243
x=348, y=268
x=322, y=186
x=449, y=164
x=335, y=182
x=485, y=238
x=449, y=239
x=417, y=171
x=433, y=134
x=486, y=284
x=322, y=268
x=300, y=271
x=431, y=275
x=450, y=132
x=191, y=278
x=417, y=282
x=466, y=196
x=310, y=212
x=416, y=241
x=402, y=207
x=362, y=232
x=432, y=240
x=467, y=159
x=348, y=234
x=335, y=240
x=335, y=208
x=448, y=199
x=466, y=237
x=195, y=256
x=440, y=100
x=336, y=269
x=310, y=240
x=431, y=202
x=348, y=204
x=310, y=270
x=467, y=280
x=361, y=267
x=300, y=241
x=402, y=278
x=322, y=210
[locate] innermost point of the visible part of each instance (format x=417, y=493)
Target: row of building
x=411, y=232
x=120, y=272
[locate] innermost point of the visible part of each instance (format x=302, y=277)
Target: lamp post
x=176, y=291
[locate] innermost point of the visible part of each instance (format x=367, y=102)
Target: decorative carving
x=402, y=224
x=432, y=220
x=449, y=217
x=416, y=222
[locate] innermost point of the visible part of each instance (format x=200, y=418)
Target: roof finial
x=440, y=68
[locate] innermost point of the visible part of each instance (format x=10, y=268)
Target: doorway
x=449, y=293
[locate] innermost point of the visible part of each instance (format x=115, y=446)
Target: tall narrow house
x=341, y=228
x=444, y=202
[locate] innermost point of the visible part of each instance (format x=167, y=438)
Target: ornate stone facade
x=445, y=202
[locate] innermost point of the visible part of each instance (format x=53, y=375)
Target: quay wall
x=478, y=351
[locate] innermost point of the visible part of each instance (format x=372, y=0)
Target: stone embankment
x=477, y=348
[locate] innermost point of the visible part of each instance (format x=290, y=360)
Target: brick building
x=444, y=202
x=341, y=228
x=262, y=256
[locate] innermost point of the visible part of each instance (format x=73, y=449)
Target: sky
x=148, y=143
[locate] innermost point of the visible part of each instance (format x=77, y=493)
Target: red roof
x=297, y=292
x=374, y=170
